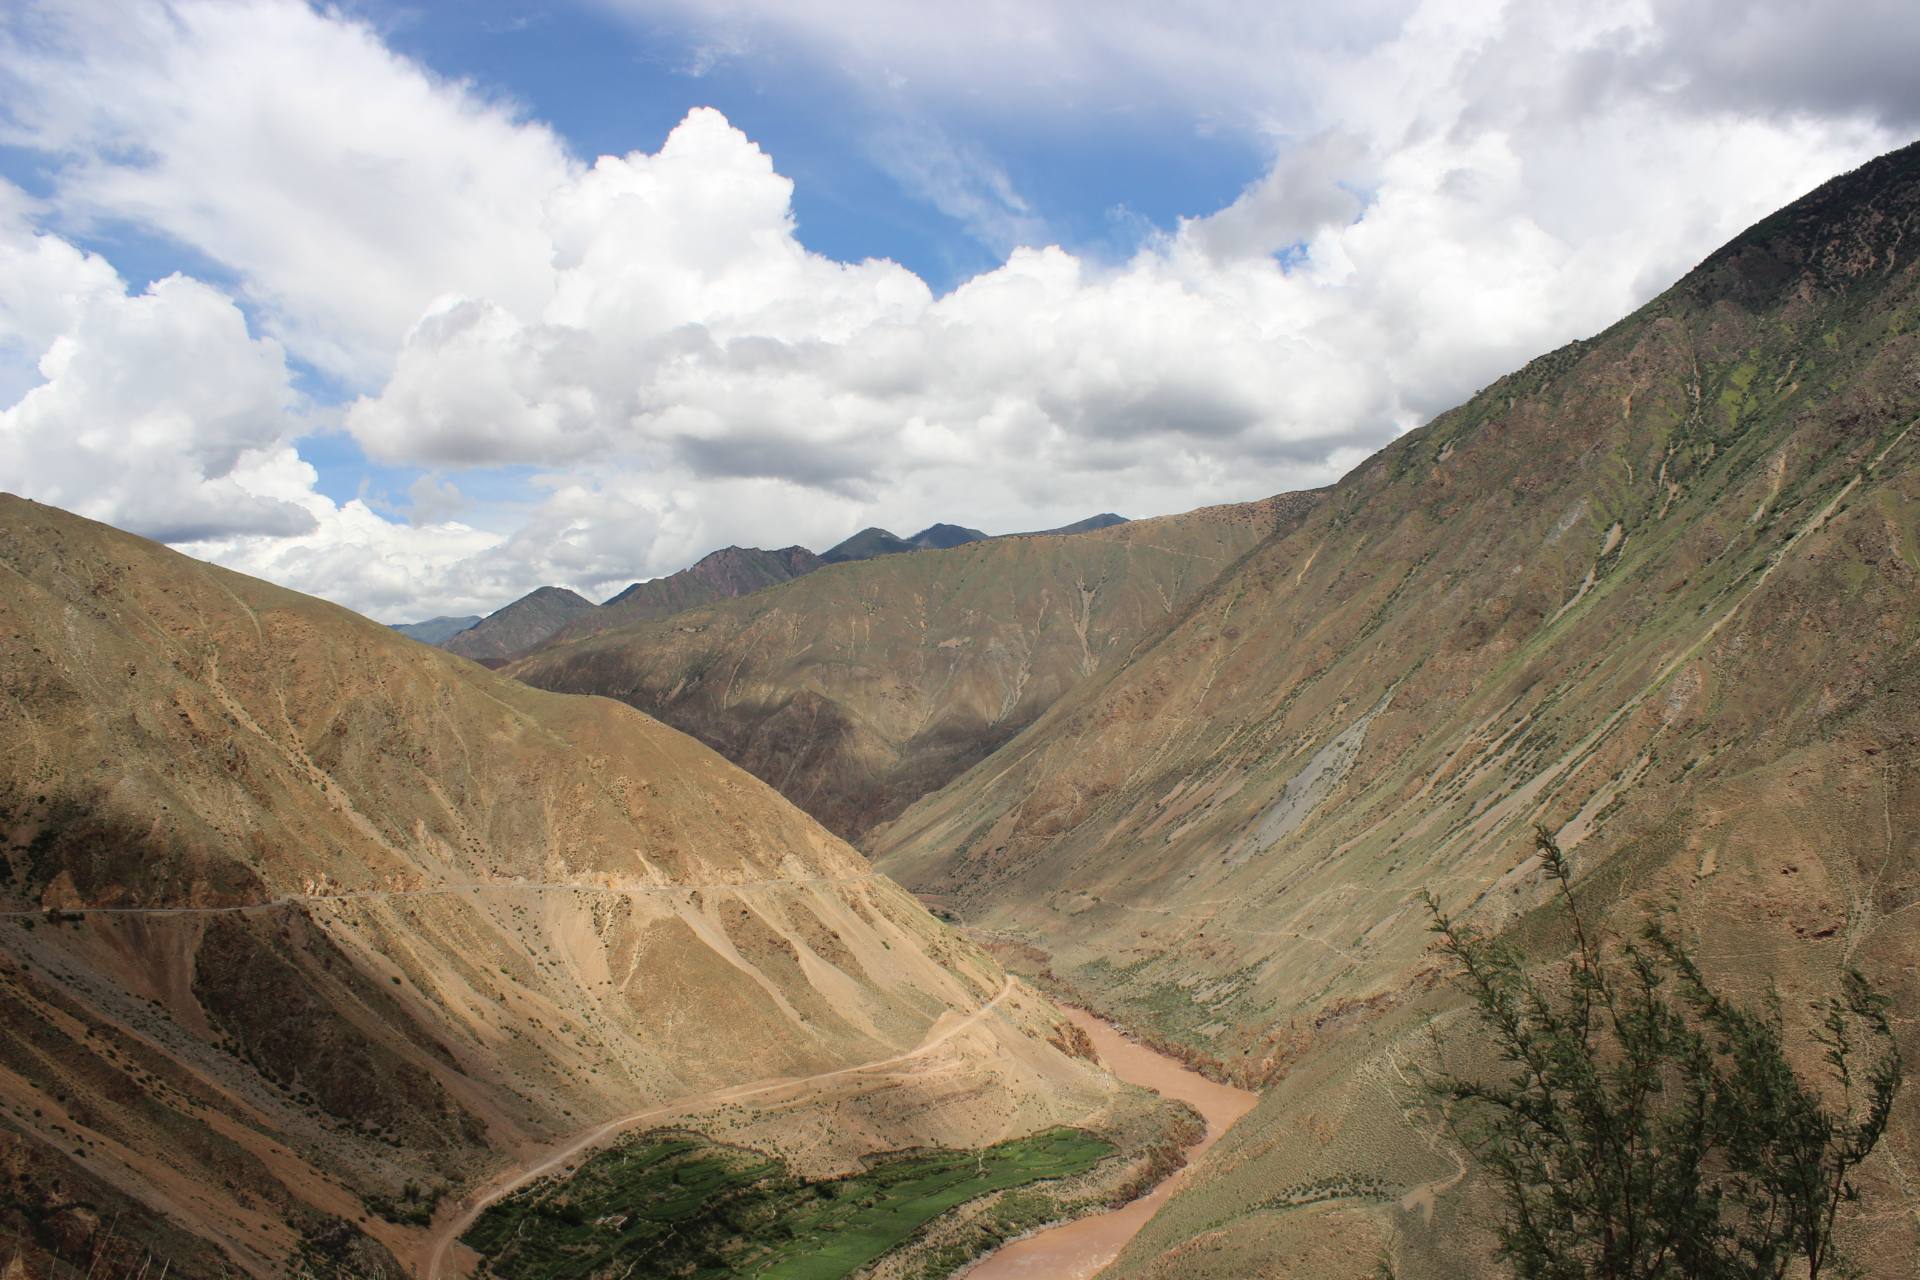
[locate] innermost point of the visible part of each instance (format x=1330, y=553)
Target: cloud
x=1264, y=65
x=160, y=413
x=344, y=186
x=1360, y=287
x=959, y=180
x=351, y=554
x=645, y=346
x=1212, y=58
x=146, y=404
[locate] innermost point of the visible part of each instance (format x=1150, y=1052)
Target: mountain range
x=315, y=937
x=1654, y=591
x=861, y=687
x=553, y=614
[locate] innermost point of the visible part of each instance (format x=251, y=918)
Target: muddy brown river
x=1079, y=1249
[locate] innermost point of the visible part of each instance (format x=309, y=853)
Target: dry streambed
x=1079, y=1249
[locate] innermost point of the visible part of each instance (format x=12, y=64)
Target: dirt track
x=431, y=1256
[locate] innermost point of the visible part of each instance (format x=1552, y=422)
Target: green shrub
x=1644, y=1126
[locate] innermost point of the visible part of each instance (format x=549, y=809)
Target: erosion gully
x=1079, y=1249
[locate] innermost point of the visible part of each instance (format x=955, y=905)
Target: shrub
x=1645, y=1126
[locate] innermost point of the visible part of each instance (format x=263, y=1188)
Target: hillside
x=306, y=930
x=720, y=575
x=1656, y=590
x=518, y=627
x=1105, y=520
x=862, y=686
x=435, y=630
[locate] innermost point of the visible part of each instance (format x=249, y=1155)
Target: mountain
x=310, y=931
x=865, y=545
x=938, y=537
x=1105, y=520
x=868, y=543
x=860, y=687
x=435, y=630
x=722, y=575
x=520, y=626
x=1657, y=591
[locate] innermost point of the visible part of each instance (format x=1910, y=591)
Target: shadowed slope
x=722, y=575
x=305, y=922
x=435, y=630
x=518, y=627
x=860, y=687
x=1657, y=590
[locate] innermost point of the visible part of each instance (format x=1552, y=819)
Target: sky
x=417, y=307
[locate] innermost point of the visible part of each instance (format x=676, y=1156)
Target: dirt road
x=431, y=1257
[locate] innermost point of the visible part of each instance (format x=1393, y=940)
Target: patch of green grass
x=674, y=1204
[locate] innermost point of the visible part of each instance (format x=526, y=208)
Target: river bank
x=1080, y=1249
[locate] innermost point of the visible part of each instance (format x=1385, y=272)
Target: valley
x=862, y=686
x=312, y=931
x=1046, y=905
x=1081, y=1248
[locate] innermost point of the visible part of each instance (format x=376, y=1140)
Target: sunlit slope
x=860, y=687
x=1657, y=590
x=340, y=913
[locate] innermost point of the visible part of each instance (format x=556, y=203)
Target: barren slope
x=1656, y=590
x=720, y=575
x=860, y=687
x=339, y=913
x=515, y=628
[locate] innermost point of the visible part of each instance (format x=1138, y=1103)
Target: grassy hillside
x=1656, y=590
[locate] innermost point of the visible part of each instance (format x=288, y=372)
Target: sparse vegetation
x=413, y=1206
x=1645, y=1125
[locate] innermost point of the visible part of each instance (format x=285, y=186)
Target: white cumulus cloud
x=646, y=354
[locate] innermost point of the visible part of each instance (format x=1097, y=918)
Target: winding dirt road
x=430, y=1258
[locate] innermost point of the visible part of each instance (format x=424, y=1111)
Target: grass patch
x=671, y=1203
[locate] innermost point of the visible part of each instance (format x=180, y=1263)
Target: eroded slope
x=860, y=687
x=1657, y=590
x=307, y=924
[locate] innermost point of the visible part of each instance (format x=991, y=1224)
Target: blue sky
x=345, y=296
x=612, y=85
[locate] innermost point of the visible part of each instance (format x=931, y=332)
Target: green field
x=674, y=1204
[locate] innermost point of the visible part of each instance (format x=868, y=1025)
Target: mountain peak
x=519, y=626
x=946, y=535
x=1862, y=224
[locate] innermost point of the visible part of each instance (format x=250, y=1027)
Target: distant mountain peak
x=941, y=536
x=866, y=544
x=519, y=626
x=436, y=630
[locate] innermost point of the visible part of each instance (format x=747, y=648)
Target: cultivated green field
x=671, y=1203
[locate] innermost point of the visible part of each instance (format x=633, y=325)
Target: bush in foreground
x=1645, y=1126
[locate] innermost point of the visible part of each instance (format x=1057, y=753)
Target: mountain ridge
x=1654, y=589
x=519, y=626
x=861, y=686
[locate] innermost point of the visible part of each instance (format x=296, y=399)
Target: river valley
x=1080, y=1249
